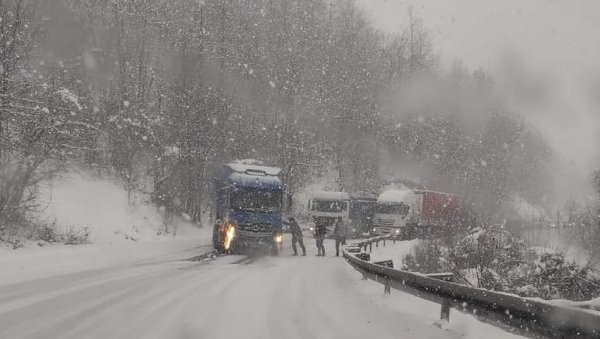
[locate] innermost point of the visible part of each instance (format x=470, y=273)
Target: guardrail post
x=445, y=315
x=383, y=242
x=363, y=256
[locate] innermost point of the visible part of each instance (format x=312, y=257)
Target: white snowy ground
x=35, y=262
x=393, y=251
x=271, y=297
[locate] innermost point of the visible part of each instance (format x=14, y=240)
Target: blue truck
x=248, y=208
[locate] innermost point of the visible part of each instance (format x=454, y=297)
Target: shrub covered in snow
x=427, y=257
x=43, y=233
x=552, y=276
x=498, y=260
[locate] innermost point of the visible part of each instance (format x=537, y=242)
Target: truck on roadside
x=248, y=208
x=361, y=215
x=410, y=213
x=356, y=211
x=326, y=207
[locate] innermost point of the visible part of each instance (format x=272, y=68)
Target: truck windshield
x=256, y=200
x=398, y=209
x=328, y=205
x=362, y=209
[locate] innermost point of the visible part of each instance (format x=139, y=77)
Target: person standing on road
x=320, y=231
x=297, y=236
x=339, y=232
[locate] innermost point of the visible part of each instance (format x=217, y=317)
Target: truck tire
x=411, y=232
x=215, y=237
x=217, y=241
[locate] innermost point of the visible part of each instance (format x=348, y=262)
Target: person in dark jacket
x=297, y=236
x=320, y=232
x=339, y=232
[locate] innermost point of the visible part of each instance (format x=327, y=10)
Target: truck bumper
x=394, y=231
x=250, y=240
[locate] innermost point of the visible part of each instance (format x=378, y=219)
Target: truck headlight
x=312, y=229
x=397, y=231
x=229, y=234
x=279, y=238
x=374, y=229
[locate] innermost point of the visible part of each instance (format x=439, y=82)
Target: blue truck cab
x=248, y=208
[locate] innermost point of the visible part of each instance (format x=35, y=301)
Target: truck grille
x=256, y=228
x=255, y=235
x=385, y=222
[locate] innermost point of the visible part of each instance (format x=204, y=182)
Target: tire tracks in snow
x=80, y=303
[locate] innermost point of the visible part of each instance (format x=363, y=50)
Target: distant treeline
x=167, y=89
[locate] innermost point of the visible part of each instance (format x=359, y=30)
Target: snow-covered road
x=269, y=297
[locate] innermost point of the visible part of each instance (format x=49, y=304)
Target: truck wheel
x=217, y=242
x=215, y=238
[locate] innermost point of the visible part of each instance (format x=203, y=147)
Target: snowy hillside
x=78, y=201
x=118, y=233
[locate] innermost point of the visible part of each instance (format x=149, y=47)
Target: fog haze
x=543, y=56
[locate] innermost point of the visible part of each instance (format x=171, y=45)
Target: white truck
x=407, y=212
x=325, y=207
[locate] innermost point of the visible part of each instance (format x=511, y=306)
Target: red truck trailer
x=406, y=212
x=437, y=208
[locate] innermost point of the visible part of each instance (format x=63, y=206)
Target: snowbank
x=78, y=200
x=120, y=232
x=395, y=252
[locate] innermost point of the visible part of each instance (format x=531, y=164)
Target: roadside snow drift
x=77, y=201
x=119, y=233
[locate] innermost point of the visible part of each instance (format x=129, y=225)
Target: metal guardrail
x=527, y=316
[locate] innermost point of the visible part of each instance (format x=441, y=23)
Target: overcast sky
x=545, y=53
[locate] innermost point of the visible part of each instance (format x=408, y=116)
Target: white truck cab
x=326, y=207
x=395, y=209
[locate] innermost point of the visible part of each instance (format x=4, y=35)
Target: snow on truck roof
x=247, y=175
x=253, y=169
x=256, y=181
x=390, y=196
x=323, y=195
